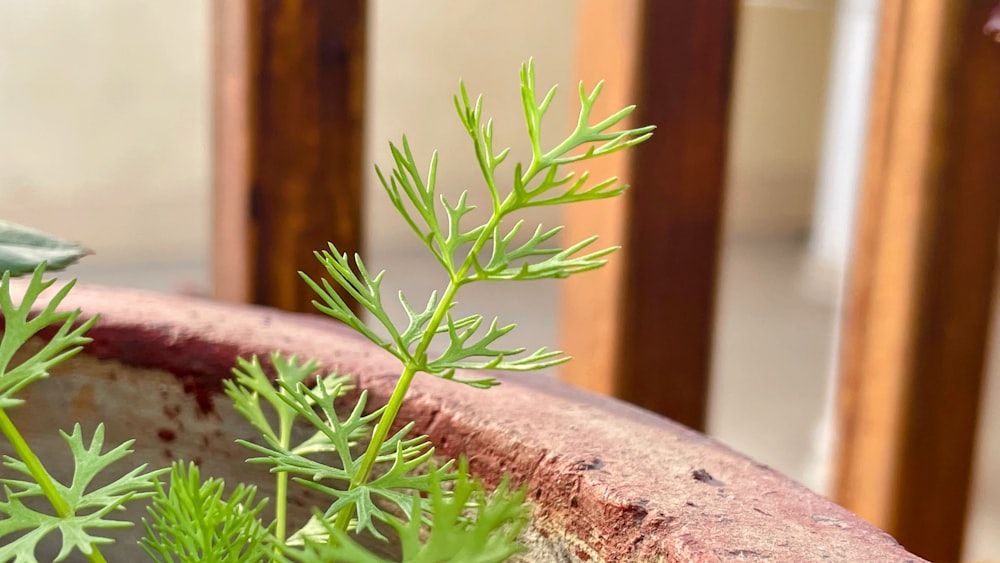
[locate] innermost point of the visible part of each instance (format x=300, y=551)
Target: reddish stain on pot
x=172, y=411
x=202, y=394
x=166, y=434
x=199, y=364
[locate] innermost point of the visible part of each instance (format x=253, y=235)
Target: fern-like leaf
x=467, y=524
x=402, y=457
x=486, y=252
x=251, y=384
x=20, y=325
x=89, y=509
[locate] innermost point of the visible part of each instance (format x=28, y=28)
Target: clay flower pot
x=610, y=482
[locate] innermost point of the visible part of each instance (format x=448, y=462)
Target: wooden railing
x=641, y=329
x=289, y=105
x=289, y=90
x=920, y=294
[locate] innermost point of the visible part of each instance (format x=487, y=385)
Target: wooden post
x=919, y=298
x=289, y=95
x=642, y=329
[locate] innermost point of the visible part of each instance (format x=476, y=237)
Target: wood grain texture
x=305, y=68
x=919, y=299
x=663, y=308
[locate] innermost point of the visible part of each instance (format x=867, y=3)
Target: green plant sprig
x=18, y=329
x=403, y=455
x=485, y=533
x=20, y=326
x=191, y=522
x=85, y=509
x=78, y=511
x=458, y=249
x=250, y=384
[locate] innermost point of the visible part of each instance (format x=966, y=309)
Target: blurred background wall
x=105, y=109
x=104, y=124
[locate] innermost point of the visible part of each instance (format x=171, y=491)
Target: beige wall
x=777, y=114
x=783, y=52
x=420, y=50
x=104, y=123
x=105, y=110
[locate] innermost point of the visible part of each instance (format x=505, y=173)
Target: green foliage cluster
x=378, y=482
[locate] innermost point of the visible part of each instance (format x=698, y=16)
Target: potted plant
x=389, y=453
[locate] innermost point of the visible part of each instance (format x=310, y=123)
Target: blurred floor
x=773, y=348
x=177, y=276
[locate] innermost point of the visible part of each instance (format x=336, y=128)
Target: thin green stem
x=41, y=476
x=385, y=422
x=378, y=438
x=281, y=480
x=34, y=465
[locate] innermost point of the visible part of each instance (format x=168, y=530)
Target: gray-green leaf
x=23, y=248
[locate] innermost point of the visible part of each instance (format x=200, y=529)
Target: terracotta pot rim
x=632, y=485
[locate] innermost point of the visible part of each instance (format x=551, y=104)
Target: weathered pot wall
x=612, y=482
x=161, y=412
